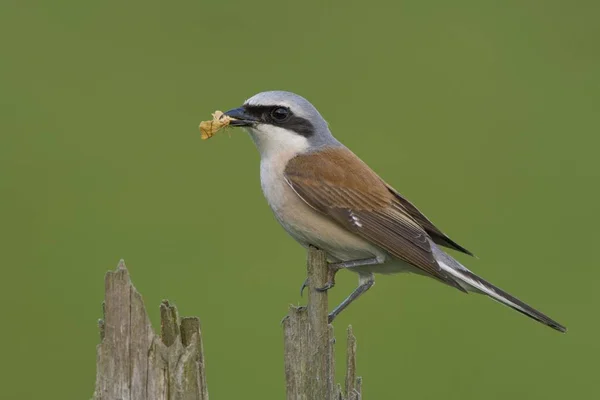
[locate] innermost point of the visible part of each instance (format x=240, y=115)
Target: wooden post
x=133, y=363
x=309, y=344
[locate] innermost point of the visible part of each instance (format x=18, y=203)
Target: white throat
x=274, y=142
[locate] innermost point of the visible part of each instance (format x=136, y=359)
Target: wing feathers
x=436, y=235
x=341, y=186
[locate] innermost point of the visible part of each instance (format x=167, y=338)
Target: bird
x=326, y=197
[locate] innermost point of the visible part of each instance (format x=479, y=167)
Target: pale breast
x=303, y=223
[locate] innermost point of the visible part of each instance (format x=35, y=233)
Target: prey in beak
x=236, y=117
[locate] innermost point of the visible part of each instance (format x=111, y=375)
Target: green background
x=483, y=113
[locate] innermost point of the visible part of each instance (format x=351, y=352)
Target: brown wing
x=341, y=186
x=436, y=235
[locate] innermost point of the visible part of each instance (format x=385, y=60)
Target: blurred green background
x=483, y=113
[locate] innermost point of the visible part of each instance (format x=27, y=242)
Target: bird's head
x=282, y=121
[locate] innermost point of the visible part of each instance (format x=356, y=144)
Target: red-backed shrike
x=325, y=196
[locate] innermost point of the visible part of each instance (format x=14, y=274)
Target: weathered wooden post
x=133, y=363
x=309, y=344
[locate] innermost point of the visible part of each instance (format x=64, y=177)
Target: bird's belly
x=310, y=227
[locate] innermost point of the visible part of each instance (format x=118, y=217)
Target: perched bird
x=325, y=196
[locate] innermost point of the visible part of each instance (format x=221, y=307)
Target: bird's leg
x=365, y=283
x=335, y=267
x=355, y=263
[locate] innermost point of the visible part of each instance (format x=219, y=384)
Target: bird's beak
x=240, y=117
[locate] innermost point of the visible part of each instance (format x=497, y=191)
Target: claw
x=304, y=285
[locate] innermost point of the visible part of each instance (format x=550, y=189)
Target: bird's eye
x=280, y=114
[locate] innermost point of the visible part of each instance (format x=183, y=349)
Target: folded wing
x=339, y=185
x=436, y=235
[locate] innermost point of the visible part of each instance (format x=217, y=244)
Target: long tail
x=472, y=282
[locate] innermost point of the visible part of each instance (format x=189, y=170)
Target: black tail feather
x=511, y=301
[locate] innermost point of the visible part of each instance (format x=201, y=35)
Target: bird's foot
x=333, y=268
